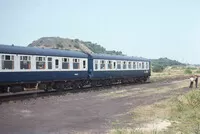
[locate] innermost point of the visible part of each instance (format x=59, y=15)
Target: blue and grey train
x=44, y=68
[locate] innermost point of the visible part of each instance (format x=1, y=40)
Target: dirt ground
x=85, y=112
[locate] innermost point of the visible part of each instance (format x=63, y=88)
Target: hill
x=158, y=65
x=89, y=47
x=166, y=62
x=72, y=44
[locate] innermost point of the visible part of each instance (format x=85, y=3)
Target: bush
x=158, y=68
x=59, y=46
x=174, y=67
x=77, y=45
x=198, y=71
x=186, y=111
x=192, y=68
x=188, y=71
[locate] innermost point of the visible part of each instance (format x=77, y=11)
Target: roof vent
x=13, y=45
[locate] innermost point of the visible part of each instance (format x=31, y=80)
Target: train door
x=56, y=64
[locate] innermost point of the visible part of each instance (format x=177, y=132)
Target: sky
x=146, y=28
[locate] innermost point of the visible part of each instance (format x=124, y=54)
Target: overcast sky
x=147, y=28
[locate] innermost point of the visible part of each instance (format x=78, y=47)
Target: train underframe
x=69, y=84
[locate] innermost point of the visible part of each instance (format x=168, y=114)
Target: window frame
x=76, y=60
x=134, y=65
x=143, y=65
x=147, y=65
x=103, y=62
x=41, y=59
x=49, y=61
x=84, y=65
x=29, y=59
x=109, y=62
x=139, y=65
x=96, y=62
x=64, y=61
x=129, y=65
x=12, y=58
x=124, y=64
x=114, y=65
x=119, y=62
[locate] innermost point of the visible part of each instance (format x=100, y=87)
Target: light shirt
x=191, y=79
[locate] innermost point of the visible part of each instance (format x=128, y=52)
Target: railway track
x=6, y=97
x=26, y=95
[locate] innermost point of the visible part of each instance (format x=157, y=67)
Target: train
x=45, y=69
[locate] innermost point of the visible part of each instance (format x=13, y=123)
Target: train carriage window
x=129, y=65
x=139, y=65
x=118, y=64
x=76, y=63
x=84, y=64
x=124, y=65
x=114, y=65
x=96, y=64
x=25, y=62
x=7, y=62
x=142, y=65
x=65, y=63
x=49, y=63
x=109, y=64
x=102, y=64
x=147, y=65
x=56, y=63
x=40, y=63
x=134, y=65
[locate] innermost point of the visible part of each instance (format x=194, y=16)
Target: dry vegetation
x=177, y=115
x=174, y=72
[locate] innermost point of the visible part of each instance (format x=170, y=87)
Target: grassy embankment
x=173, y=73
x=177, y=115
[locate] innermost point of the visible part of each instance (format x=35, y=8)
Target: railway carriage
x=43, y=68
x=106, y=69
x=26, y=66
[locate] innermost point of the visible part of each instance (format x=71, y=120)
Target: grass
x=198, y=71
x=186, y=110
x=188, y=71
x=168, y=73
x=174, y=72
x=183, y=113
x=131, y=131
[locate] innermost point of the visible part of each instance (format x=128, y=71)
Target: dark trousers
x=191, y=84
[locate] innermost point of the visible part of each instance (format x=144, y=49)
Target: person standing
x=196, y=81
x=191, y=82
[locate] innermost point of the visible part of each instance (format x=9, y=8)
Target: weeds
x=183, y=112
x=132, y=131
x=187, y=71
x=187, y=111
x=198, y=71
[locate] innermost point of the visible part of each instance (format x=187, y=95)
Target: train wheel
x=3, y=89
x=103, y=83
x=48, y=87
x=15, y=89
x=42, y=86
x=109, y=83
x=93, y=83
x=60, y=87
x=74, y=86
